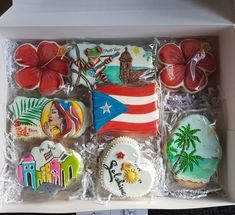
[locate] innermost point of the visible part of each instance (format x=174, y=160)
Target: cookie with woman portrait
x=53, y=118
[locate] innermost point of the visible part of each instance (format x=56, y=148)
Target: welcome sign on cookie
x=124, y=172
x=53, y=118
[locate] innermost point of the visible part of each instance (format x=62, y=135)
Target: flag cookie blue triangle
x=105, y=108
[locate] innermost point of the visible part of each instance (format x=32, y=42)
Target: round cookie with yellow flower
x=124, y=171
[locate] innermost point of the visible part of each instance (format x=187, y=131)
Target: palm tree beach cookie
x=123, y=170
x=49, y=167
x=193, y=151
x=53, y=118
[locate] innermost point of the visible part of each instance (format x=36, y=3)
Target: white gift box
x=66, y=19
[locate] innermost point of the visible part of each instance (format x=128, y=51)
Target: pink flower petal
x=172, y=76
x=207, y=64
x=26, y=55
x=170, y=54
x=190, y=47
x=28, y=77
x=60, y=65
x=47, y=51
x=51, y=82
x=198, y=83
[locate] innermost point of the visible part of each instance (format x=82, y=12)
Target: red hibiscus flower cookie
x=44, y=67
x=186, y=66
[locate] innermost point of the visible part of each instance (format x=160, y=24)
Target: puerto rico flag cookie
x=126, y=109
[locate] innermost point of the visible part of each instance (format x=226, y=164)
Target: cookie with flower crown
x=124, y=171
x=44, y=66
x=193, y=151
x=42, y=117
x=49, y=167
x=186, y=66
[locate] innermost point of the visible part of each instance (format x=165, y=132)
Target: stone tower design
x=125, y=66
x=127, y=74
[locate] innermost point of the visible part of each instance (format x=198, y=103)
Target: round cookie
x=64, y=118
x=124, y=172
x=193, y=151
x=49, y=167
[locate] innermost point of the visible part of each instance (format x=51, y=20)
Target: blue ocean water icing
x=207, y=151
x=113, y=73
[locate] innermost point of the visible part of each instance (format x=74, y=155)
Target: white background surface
x=55, y=19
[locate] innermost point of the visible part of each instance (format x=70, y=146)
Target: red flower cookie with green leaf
x=43, y=67
x=186, y=66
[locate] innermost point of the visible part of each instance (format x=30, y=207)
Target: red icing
x=41, y=67
x=128, y=91
x=178, y=62
x=120, y=155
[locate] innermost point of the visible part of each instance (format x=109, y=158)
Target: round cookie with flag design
x=126, y=110
x=123, y=170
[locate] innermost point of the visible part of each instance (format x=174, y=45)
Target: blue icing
x=207, y=152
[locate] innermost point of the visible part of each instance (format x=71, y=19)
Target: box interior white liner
x=66, y=19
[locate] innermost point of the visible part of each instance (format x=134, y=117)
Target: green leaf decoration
x=170, y=149
x=186, y=137
x=147, y=55
x=27, y=110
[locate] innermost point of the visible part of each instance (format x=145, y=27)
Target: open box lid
x=103, y=13
x=105, y=18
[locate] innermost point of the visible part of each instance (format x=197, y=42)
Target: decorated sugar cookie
x=49, y=167
x=43, y=67
x=54, y=118
x=193, y=151
x=124, y=172
x=114, y=64
x=126, y=109
x=186, y=66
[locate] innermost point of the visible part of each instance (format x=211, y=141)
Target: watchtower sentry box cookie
x=133, y=110
x=123, y=170
x=103, y=63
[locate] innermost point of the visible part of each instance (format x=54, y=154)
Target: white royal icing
x=130, y=175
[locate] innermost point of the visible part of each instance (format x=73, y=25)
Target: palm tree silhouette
x=186, y=137
x=188, y=161
x=170, y=150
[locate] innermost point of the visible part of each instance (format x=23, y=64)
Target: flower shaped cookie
x=43, y=67
x=186, y=65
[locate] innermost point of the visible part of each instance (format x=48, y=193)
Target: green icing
x=71, y=163
x=38, y=179
x=193, y=151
